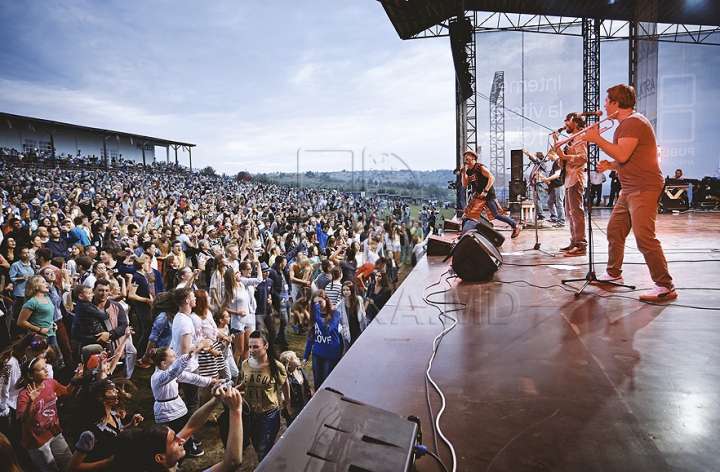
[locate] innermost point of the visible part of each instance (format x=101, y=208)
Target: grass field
x=448, y=213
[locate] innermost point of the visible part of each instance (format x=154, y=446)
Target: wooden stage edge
x=537, y=379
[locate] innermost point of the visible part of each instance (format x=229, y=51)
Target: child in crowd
x=210, y=361
x=37, y=411
x=230, y=368
x=11, y=359
x=90, y=320
x=300, y=390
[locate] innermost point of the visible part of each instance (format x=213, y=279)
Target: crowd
x=44, y=158
x=214, y=274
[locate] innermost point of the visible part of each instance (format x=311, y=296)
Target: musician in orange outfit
x=479, y=178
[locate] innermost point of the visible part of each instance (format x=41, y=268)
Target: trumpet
x=610, y=118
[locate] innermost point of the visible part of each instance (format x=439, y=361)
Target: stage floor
x=537, y=379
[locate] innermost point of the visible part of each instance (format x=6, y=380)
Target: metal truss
x=486, y=22
x=591, y=76
x=471, y=103
x=466, y=114
x=497, y=130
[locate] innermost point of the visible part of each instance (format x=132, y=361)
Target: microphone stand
x=535, y=202
x=590, y=277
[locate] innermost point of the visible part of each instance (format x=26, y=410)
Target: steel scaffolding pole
x=497, y=133
x=466, y=113
x=591, y=75
x=471, y=103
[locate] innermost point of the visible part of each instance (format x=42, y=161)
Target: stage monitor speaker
x=674, y=199
x=486, y=228
x=452, y=225
x=475, y=258
x=334, y=432
x=439, y=245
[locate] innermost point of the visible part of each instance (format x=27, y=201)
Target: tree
x=208, y=172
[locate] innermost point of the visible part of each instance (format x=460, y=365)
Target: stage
x=537, y=379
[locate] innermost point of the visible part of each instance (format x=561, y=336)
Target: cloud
x=251, y=82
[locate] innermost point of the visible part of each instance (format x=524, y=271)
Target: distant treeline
x=428, y=184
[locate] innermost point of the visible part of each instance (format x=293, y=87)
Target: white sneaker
x=659, y=294
x=609, y=278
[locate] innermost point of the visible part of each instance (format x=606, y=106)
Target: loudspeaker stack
x=475, y=258
x=517, y=180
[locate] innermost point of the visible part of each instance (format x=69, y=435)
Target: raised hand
x=136, y=420
x=33, y=392
x=232, y=398
x=204, y=344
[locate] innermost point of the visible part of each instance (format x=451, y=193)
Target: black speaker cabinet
x=486, y=228
x=674, y=198
x=517, y=190
x=475, y=258
x=439, y=245
x=334, y=432
x=516, y=165
x=517, y=180
x=452, y=225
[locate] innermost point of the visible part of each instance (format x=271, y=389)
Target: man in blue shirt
x=78, y=233
x=20, y=273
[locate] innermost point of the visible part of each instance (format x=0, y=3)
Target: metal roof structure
x=696, y=19
x=100, y=131
x=51, y=126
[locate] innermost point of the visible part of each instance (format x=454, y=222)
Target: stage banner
x=647, y=72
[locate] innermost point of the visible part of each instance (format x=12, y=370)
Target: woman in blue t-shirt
x=37, y=313
x=324, y=340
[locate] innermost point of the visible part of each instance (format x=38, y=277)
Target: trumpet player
x=633, y=151
x=574, y=157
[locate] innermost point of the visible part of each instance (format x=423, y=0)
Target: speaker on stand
x=517, y=182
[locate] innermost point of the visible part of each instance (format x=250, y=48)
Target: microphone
x=560, y=130
x=592, y=113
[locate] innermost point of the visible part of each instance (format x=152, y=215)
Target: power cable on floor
x=443, y=315
x=619, y=295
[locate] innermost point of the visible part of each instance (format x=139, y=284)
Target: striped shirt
x=168, y=404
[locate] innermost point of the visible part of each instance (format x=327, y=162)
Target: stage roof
x=42, y=122
x=411, y=17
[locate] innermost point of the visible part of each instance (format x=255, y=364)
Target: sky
x=265, y=86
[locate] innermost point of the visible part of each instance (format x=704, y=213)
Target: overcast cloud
x=252, y=82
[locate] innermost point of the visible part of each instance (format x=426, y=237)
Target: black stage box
x=475, y=258
x=486, y=228
x=439, y=245
x=335, y=433
x=452, y=225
